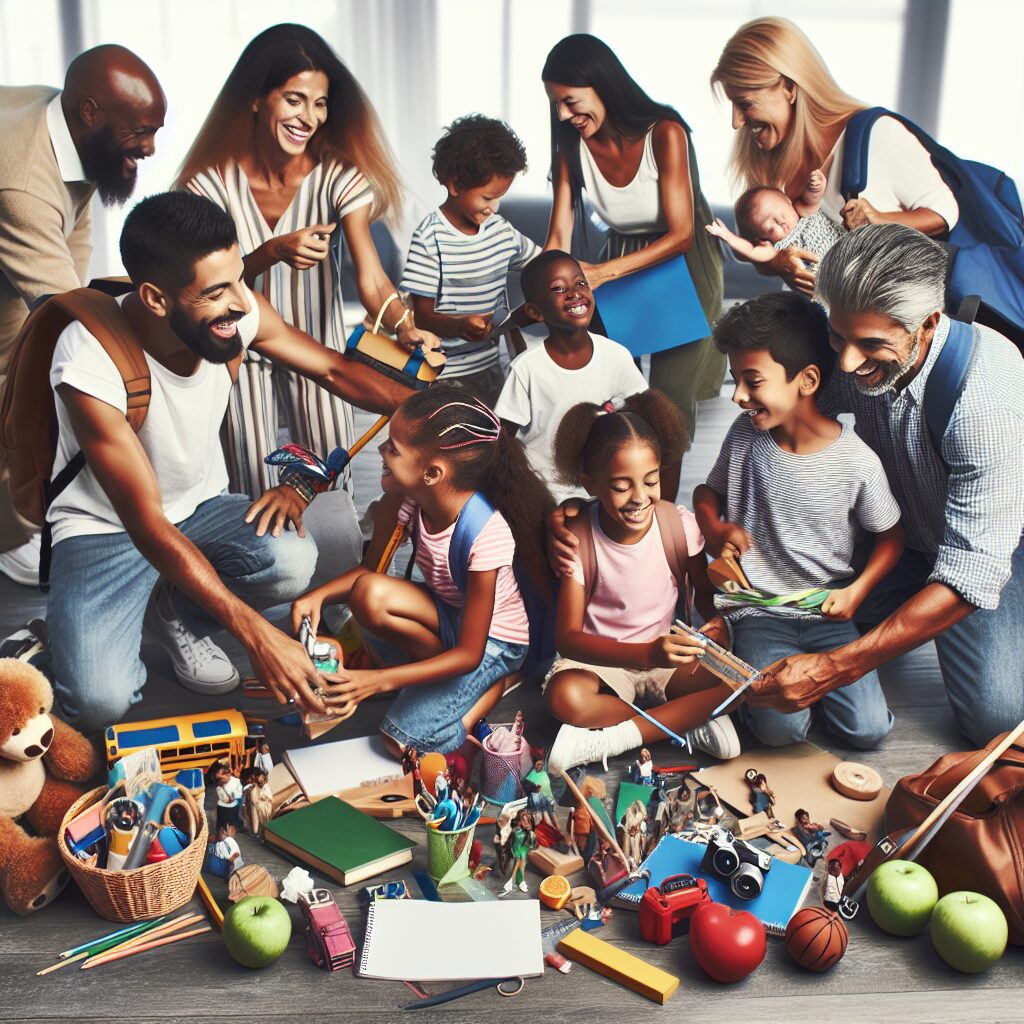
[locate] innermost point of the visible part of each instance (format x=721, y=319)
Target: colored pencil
x=216, y=914
x=120, y=954
x=157, y=933
x=139, y=925
x=98, y=946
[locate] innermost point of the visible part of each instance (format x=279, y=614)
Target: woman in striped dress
x=291, y=149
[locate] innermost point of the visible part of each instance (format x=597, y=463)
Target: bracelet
x=301, y=487
x=401, y=320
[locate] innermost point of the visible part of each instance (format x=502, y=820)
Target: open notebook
x=426, y=941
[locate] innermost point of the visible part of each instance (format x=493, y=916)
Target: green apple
x=256, y=930
x=969, y=931
x=901, y=896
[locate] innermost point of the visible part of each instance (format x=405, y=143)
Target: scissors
x=501, y=984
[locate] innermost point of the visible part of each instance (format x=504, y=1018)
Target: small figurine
x=634, y=833
x=832, y=888
x=259, y=803
x=761, y=796
x=641, y=771
x=539, y=805
x=502, y=835
x=263, y=759
x=579, y=826
x=539, y=776
x=229, y=797
x=812, y=835
x=521, y=842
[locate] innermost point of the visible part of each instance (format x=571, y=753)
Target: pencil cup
x=448, y=854
x=500, y=773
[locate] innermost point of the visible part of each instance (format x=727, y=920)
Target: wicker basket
x=144, y=892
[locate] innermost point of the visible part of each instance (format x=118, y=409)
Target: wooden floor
x=880, y=978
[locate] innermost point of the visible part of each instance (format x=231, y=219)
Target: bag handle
x=677, y=551
x=1004, y=782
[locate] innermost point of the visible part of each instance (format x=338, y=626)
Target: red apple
x=728, y=944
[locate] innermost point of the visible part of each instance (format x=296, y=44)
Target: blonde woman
x=790, y=118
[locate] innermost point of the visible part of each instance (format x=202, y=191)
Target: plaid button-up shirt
x=970, y=517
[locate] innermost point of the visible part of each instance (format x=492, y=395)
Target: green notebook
x=339, y=841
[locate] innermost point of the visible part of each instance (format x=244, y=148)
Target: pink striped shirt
x=492, y=549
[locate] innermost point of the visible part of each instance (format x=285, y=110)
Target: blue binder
x=653, y=309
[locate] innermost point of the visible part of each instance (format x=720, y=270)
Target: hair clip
x=478, y=434
x=609, y=406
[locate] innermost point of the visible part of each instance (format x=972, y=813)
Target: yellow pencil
x=156, y=933
x=62, y=963
x=121, y=954
x=216, y=914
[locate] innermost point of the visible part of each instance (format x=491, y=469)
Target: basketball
x=816, y=938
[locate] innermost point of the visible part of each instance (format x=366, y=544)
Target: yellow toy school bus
x=183, y=741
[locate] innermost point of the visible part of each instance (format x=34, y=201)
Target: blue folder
x=785, y=886
x=653, y=309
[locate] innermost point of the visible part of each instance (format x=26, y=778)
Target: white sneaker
x=575, y=746
x=21, y=564
x=200, y=665
x=523, y=887
x=717, y=738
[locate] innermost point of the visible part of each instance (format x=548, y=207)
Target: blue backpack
x=986, y=277
x=541, y=614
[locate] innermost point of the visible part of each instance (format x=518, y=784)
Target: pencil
x=157, y=933
x=98, y=946
x=139, y=925
x=216, y=914
x=122, y=953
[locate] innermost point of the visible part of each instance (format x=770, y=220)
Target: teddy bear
x=40, y=760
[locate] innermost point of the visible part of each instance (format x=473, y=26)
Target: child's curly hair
x=474, y=149
x=589, y=435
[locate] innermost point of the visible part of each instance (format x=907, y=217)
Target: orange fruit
x=555, y=891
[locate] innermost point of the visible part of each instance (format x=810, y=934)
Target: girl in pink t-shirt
x=461, y=649
x=612, y=632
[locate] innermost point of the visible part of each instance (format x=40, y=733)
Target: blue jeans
x=856, y=713
x=430, y=717
x=980, y=657
x=100, y=585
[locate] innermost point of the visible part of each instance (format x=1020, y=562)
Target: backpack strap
x=854, y=176
x=677, y=551
x=945, y=383
x=472, y=519
x=582, y=527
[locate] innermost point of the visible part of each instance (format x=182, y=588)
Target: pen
x=465, y=990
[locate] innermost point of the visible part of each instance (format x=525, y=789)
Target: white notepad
x=425, y=941
x=328, y=768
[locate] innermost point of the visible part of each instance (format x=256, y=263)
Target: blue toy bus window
x=211, y=729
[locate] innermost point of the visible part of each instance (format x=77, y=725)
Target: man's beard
x=103, y=163
x=893, y=373
x=204, y=344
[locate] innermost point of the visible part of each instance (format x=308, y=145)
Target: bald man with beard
x=59, y=148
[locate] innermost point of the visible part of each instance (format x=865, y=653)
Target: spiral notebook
x=785, y=886
x=426, y=941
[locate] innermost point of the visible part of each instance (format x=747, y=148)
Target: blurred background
x=954, y=66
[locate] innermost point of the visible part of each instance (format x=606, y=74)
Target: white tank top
x=633, y=209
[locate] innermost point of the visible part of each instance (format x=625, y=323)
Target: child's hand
x=842, y=604
x=816, y=183
x=858, y=212
x=672, y=650
x=715, y=629
x=475, y=327
x=307, y=606
x=718, y=228
x=730, y=539
x=346, y=689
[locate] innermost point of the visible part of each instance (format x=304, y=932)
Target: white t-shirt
x=539, y=392
x=181, y=433
x=226, y=848
x=901, y=176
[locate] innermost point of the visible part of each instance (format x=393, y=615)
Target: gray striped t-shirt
x=805, y=513
x=465, y=274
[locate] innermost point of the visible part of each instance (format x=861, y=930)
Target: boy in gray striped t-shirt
x=461, y=253
x=796, y=494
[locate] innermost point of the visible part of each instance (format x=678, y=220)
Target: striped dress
x=307, y=299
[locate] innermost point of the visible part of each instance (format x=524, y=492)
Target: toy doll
x=813, y=836
x=520, y=843
x=539, y=776
x=502, y=835
x=832, y=888
x=634, y=833
x=642, y=772
x=259, y=801
x=761, y=796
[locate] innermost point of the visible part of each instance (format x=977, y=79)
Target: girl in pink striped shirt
x=449, y=653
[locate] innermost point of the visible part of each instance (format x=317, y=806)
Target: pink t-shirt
x=492, y=549
x=635, y=594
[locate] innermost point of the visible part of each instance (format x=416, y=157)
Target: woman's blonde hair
x=758, y=56
x=351, y=135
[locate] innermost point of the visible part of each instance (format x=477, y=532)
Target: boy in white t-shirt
x=229, y=798
x=572, y=365
x=227, y=848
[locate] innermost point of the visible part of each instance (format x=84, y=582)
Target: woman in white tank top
x=635, y=160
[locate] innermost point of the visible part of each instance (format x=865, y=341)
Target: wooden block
x=549, y=861
x=652, y=982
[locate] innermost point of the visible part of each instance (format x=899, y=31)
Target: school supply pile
x=451, y=941
x=135, y=847
x=339, y=841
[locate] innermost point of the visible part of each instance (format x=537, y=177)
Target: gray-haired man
x=961, y=578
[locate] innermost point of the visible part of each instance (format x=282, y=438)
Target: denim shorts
x=430, y=717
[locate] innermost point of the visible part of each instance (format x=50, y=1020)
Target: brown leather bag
x=981, y=847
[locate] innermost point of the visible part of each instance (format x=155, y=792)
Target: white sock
x=622, y=737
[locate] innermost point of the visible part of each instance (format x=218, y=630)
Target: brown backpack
x=981, y=847
x=673, y=539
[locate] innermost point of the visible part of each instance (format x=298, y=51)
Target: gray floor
x=879, y=977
